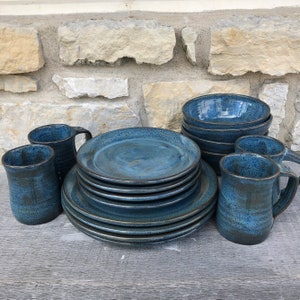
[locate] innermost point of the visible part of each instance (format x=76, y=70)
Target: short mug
x=245, y=211
x=266, y=145
x=61, y=138
x=33, y=185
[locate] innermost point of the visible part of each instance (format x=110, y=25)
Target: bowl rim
x=202, y=140
x=228, y=130
x=225, y=124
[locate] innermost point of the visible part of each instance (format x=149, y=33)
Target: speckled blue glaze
x=268, y=146
x=120, y=207
x=33, y=185
x=245, y=211
x=208, y=145
x=131, y=189
x=139, y=156
x=225, y=111
x=196, y=202
x=140, y=198
x=229, y=135
x=142, y=231
x=138, y=240
x=61, y=138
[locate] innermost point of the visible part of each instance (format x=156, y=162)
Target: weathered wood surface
x=56, y=261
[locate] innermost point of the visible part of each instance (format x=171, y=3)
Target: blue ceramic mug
x=61, y=138
x=266, y=145
x=245, y=211
x=33, y=185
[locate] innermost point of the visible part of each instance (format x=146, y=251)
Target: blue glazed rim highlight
x=189, y=116
x=6, y=164
x=263, y=138
x=249, y=154
x=32, y=139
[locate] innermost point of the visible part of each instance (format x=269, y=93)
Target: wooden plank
x=56, y=261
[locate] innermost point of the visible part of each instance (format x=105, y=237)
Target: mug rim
x=225, y=170
x=45, y=161
x=47, y=126
x=263, y=137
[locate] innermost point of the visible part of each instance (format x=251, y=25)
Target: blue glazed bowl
x=225, y=111
x=229, y=135
x=208, y=145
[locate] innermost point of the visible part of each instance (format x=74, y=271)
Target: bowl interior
x=226, y=109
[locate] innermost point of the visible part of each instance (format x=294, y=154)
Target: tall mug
x=61, y=138
x=33, y=185
x=245, y=211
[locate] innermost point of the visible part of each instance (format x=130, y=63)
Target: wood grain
x=56, y=261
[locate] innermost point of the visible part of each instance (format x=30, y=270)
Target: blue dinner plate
x=118, y=207
x=138, y=189
x=139, y=231
x=139, y=156
x=133, y=198
x=132, y=239
x=193, y=204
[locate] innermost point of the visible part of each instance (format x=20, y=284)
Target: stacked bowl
x=139, y=185
x=216, y=121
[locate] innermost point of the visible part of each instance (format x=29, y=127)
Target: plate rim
x=188, y=143
x=211, y=186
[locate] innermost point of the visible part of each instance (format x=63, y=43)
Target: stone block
x=164, y=100
x=18, y=84
x=242, y=44
x=108, y=41
x=21, y=50
x=275, y=95
x=91, y=87
x=296, y=136
x=189, y=37
x=17, y=119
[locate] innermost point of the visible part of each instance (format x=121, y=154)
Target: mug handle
x=288, y=193
x=79, y=130
x=291, y=155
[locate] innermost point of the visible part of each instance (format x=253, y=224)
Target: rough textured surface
x=56, y=261
x=96, y=117
x=14, y=112
x=189, y=37
x=18, y=84
x=21, y=51
x=258, y=44
x=109, y=41
x=91, y=87
x=275, y=95
x=164, y=100
x=296, y=136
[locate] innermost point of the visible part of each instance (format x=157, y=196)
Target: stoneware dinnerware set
x=146, y=185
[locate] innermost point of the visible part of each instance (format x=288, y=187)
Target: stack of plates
x=139, y=185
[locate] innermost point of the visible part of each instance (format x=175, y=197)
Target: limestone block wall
x=109, y=71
